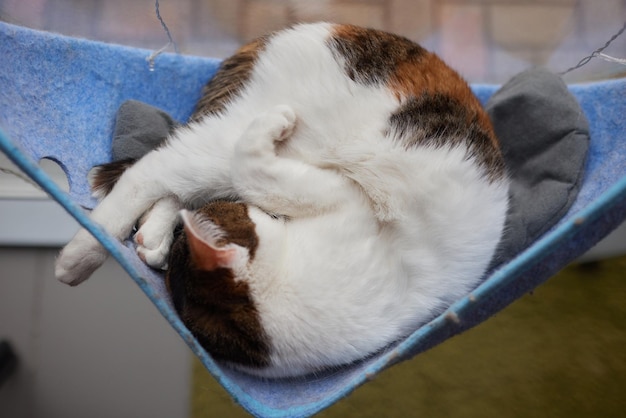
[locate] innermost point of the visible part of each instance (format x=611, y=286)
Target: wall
x=97, y=350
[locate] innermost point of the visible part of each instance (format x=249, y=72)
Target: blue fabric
x=58, y=99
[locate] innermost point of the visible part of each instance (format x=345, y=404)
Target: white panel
x=98, y=350
x=34, y=222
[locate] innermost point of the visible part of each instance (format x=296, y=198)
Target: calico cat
x=349, y=187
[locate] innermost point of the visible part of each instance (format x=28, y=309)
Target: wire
x=19, y=175
x=596, y=53
x=155, y=54
x=165, y=28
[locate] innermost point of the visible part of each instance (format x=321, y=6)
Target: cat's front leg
x=117, y=213
x=194, y=166
x=79, y=258
x=84, y=254
x=278, y=184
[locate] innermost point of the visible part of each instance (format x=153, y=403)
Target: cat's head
x=210, y=262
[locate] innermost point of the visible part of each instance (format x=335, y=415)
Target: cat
x=338, y=186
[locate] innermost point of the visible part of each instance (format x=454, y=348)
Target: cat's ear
x=202, y=237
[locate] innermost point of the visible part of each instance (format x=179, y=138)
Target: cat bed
x=59, y=97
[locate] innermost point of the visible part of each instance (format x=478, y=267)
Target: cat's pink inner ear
x=204, y=255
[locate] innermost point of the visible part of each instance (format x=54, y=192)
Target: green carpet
x=559, y=352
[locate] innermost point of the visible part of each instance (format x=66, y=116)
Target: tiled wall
x=487, y=40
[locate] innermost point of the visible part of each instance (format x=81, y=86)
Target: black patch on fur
x=233, y=219
x=229, y=80
x=106, y=175
x=371, y=56
x=218, y=310
x=438, y=120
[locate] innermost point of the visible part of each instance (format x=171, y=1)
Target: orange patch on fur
x=407, y=69
x=430, y=75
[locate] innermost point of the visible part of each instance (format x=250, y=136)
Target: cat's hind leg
x=277, y=184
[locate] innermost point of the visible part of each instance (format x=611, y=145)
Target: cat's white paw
x=259, y=139
x=275, y=125
x=280, y=122
x=79, y=259
x=153, y=246
x=155, y=235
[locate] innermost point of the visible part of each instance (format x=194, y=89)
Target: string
x=19, y=175
x=155, y=54
x=598, y=53
x=165, y=28
x=612, y=59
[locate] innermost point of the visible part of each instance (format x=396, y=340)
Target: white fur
x=156, y=233
x=379, y=238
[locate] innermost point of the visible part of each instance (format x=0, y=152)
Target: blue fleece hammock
x=58, y=100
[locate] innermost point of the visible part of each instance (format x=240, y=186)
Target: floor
x=557, y=352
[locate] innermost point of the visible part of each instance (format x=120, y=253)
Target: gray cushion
x=139, y=128
x=545, y=137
